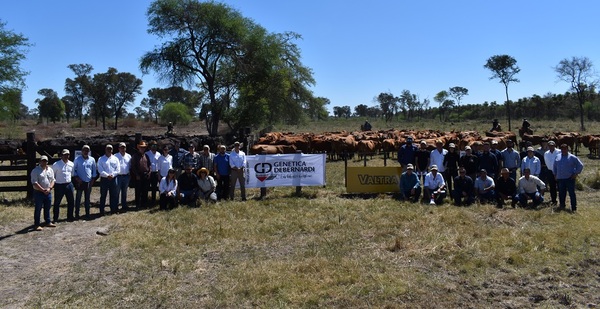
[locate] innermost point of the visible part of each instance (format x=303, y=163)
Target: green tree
x=50, y=106
x=123, y=89
x=457, y=93
x=440, y=98
x=13, y=48
x=504, y=68
x=10, y=104
x=158, y=97
x=579, y=73
x=78, y=89
x=248, y=74
x=388, y=104
x=177, y=113
x=361, y=110
x=316, y=109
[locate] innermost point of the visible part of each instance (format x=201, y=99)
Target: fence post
x=365, y=160
x=345, y=171
x=385, y=154
x=263, y=190
x=31, y=154
x=298, y=188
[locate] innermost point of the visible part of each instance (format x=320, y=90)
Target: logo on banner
x=263, y=172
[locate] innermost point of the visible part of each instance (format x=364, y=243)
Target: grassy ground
x=323, y=249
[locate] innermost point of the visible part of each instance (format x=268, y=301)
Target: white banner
x=283, y=170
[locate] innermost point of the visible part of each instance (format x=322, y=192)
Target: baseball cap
x=433, y=168
x=44, y=158
x=409, y=167
x=65, y=151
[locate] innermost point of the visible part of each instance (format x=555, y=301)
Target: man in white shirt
x=108, y=168
x=484, y=187
x=63, y=171
x=530, y=187
x=123, y=176
x=434, y=187
x=42, y=179
x=153, y=155
x=237, y=161
x=550, y=157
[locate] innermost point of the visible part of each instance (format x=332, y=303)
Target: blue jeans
x=564, y=186
x=66, y=190
x=87, y=189
x=487, y=197
x=112, y=187
x=123, y=183
x=535, y=197
x=44, y=201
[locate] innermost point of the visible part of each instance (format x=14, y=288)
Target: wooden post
x=299, y=188
x=345, y=171
x=385, y=154
x=31, y=161
x=263, y=190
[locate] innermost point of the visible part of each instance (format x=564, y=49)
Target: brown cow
x=272, y=149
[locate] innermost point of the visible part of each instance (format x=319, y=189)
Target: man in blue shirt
x=566, y=168
x=511, y=159
x=222, y=171
x=84, y=175
x=406, y=154
x=177, y=153
x=410, y=186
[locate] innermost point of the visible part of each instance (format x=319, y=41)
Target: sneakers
x=432, y=202
x=39, y=228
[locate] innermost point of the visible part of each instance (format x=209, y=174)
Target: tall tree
x=247, y=73
x=158, y=97
x=123, y=89
x=361, y=110
x=77, y=89
x=11, y=104
x=99, y=91
x=13, y=48
x=388, y=104
x=504, y=68
x=440, y=97
x=50, y=106
x=458, y=93
x=410, y=101
x=579, y=73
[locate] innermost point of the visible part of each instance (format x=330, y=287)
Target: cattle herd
x=340, y=144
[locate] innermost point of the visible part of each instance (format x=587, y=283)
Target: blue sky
x=356, y=49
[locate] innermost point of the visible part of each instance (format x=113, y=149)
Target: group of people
x=488, y=174
x=179, y=176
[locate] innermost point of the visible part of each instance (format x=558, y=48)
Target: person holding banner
x=237, y=162
x=410, y=186
x=435, y=186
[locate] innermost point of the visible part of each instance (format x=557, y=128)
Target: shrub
x=177, y=113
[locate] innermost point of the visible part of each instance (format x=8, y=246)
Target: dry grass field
x=322, y=249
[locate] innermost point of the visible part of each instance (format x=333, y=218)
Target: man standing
x=410, y=186
x=42, y=179
x=470, y=162
x=237, y=162
x=207, y=160
x=528, y=189
x=437, y=156
x=422, y=161
x=488, y=161
x=123, y=176
x=222, y=172
x=177, y=153
x=511, y=159
x=153, y=154
x=434, y=187
x=63, y=171
x=140, y=173
x=463, y=189
x=550, y=158
x=108, y=168
x=406, y=154
x=451, y=166
x=532, y=163
x=506, y=189
x=192, y=158
x=85, y=173
x=565, y=169
x=484, y=187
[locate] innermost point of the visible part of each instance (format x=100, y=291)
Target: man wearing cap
x=550, y=157
x=123, y=177
x=406, y=153
x=108, y=168
x=488, y=161
x=222, y=172
x=566, y=169
x=470, y=162
x=207, y=160
x=484, y=187
x=435, y=186
x=63, y=171
x=42, y=179
x=85, y=173
x=410, y=186
x=237, y=162
x=495, y=151
x=506, y=189
x=511, y=159
x=422, y=161
x=532, y=163
x=140, y=174
x=451, y=166
x=530, y=187
x=463, y=189
x=153, y=154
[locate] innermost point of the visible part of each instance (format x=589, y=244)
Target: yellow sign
x=373, y=179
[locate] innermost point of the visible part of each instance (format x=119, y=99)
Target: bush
x=176, y=112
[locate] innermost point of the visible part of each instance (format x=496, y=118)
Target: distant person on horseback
x=496, y=126
x=525, y=128
x=366, y=126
